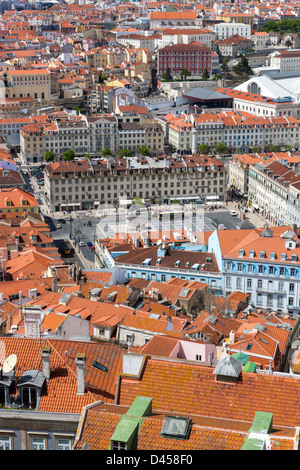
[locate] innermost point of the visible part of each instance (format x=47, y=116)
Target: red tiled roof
x=195, y=390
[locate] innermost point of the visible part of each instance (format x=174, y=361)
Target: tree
x=78, y=110
x=217, y=77
x=243, y=67
x=49, y=156
x=185, y=72
x=205, y=75
x=224, y=65
x=221, y=148
x=102, y=77
x=106, y=152
x=125, y=153
x=255, y=149
x=204, y=149
x=69, y=155
x=167, y=75
x=143, y=150
x=88, y=155
x=274, y=148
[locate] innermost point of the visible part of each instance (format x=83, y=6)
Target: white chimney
x=80, y=359
x=231, y=337
x=45, y=355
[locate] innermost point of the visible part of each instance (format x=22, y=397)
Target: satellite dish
x=9, y=363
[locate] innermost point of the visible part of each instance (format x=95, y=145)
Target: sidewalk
x=256, y=219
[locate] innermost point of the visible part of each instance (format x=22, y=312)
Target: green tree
x=221, y=148
x=224, y=65
x=49, y=156
x=106, y=152
x=69, y=155
x=273, y=148
x=243, y=67
x=185, y=72
x=255, y=149
x=217, y=77
x=167, y=75
x=102, y=77
x=204, y=149
x=143, y=150
x=88, y=155
x=125, y=153
x=77, y=110
x=205, y=75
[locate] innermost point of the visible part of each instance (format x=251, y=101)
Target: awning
x=126, y=201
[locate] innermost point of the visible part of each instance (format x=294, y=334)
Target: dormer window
x=294, y=258
x=251, y=254
x=262, y=254
x=273, y=256
x=241, y=253
x=176, y=427
x=283, y=257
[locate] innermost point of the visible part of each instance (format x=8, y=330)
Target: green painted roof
x=125, y=428
x=250, y=367
x=142, y=406
x=241, y=357
x=262, y=422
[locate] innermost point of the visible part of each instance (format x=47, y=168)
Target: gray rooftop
x=32, y=377
x=204, y=94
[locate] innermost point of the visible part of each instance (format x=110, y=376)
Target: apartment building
x=172, y=36
x=87, y=183
x=17, y=202
x=56, y=136
x=285, y=61
x=226, y=30
x=269, y=190
x=263, y=262
x=175, y=19
x=233, y=46
x=32, y=82
x=238, y=167
x=237, y=130
x=253, y=102
x=163, y=263
x=194, y=56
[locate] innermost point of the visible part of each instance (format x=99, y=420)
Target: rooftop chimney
x=45, y=355
x=80, y=359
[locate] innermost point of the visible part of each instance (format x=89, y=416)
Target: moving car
x=58, y=226
x=233, y=213
x=81, y=243
x=89, y=244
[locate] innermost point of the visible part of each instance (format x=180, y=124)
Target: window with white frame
x=63, y=443
x=5, y=443
x=38, y=443
x=118, y=445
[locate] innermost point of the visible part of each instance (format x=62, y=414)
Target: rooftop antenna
x=9, y=363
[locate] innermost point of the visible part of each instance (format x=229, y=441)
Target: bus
x=171, y=215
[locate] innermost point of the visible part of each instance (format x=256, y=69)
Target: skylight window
x=249, y=346
x=176, y=427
